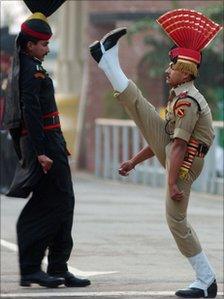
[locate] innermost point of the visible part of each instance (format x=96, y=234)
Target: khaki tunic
x=183, y=120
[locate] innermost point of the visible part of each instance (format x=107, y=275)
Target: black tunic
x=46, y=220
x=37, y=99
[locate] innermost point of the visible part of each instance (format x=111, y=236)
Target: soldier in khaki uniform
x=180, y=142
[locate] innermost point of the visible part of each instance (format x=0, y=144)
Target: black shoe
x=72, y=281
x=198, y=293
x=41, y=278
x=95, y=51
x=109, y=40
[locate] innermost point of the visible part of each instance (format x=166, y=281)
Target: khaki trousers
x=152, y=126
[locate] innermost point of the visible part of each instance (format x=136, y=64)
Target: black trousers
x=46, y=221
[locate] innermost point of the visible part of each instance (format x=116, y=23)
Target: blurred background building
x=84, y=93
x=7, y=154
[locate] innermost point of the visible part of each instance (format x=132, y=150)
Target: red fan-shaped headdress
x=190, y=30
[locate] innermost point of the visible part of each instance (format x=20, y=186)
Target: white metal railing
x=118, y=140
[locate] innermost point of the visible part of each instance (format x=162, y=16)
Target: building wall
x=152, y=6
x=104, y=16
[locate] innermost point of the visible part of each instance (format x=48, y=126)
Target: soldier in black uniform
x=46, y=220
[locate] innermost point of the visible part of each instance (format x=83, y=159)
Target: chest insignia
x=39, y=68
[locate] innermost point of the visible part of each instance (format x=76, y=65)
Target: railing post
x=115, y=154
x=111, y=144
x=125, y=147
x=98, y=150
x=135, y=149
x=212, y=164
x=106, y=151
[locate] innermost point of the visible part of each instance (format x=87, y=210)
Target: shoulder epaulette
x=184, y=95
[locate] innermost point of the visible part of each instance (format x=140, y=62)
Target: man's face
x=175, y=77
x=38, y=50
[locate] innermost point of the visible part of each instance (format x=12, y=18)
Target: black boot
x=41, y=278
x=198, y=293
x=109, y=40
x=71, y=280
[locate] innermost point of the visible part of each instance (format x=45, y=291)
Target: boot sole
x=29, y=283
x=69, y=285
x=187, y=296
x=117, y=33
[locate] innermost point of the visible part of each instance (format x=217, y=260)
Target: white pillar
x=71, y=73
x=72, y=20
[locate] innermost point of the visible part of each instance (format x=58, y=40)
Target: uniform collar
x=185, y=87
x=32, y=57
x=37, y=60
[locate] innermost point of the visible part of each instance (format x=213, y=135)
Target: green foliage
x=215, y=12
x=210, y=80
x=157, y=62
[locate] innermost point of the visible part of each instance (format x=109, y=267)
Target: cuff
x=129, y=94
x=182, y=134
x=40, y=150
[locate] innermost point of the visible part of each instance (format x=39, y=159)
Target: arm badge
x=40, y=72
x=39, y=75
x=180, y=112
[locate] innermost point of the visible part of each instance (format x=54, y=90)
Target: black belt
x=51, y=121
x=202, y=150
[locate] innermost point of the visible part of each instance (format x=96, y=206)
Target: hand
x=175, y=193
x=126, y=167
x=45, y=162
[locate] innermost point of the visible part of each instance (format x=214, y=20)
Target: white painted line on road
x=87, y=294
x=93, y=294
x=75, y=271
x=14, y=247
x=9, y=245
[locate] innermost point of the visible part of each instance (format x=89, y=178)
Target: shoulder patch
x=180, y=112
x=181, y=103
x=39, y=75
x=40, y=72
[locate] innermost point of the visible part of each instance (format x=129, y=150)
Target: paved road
x=121, y=242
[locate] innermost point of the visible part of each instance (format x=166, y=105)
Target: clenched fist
x=126, y=167
x=45, y=162
x=175, y=193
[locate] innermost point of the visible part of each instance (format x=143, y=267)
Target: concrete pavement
x=121, y=242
